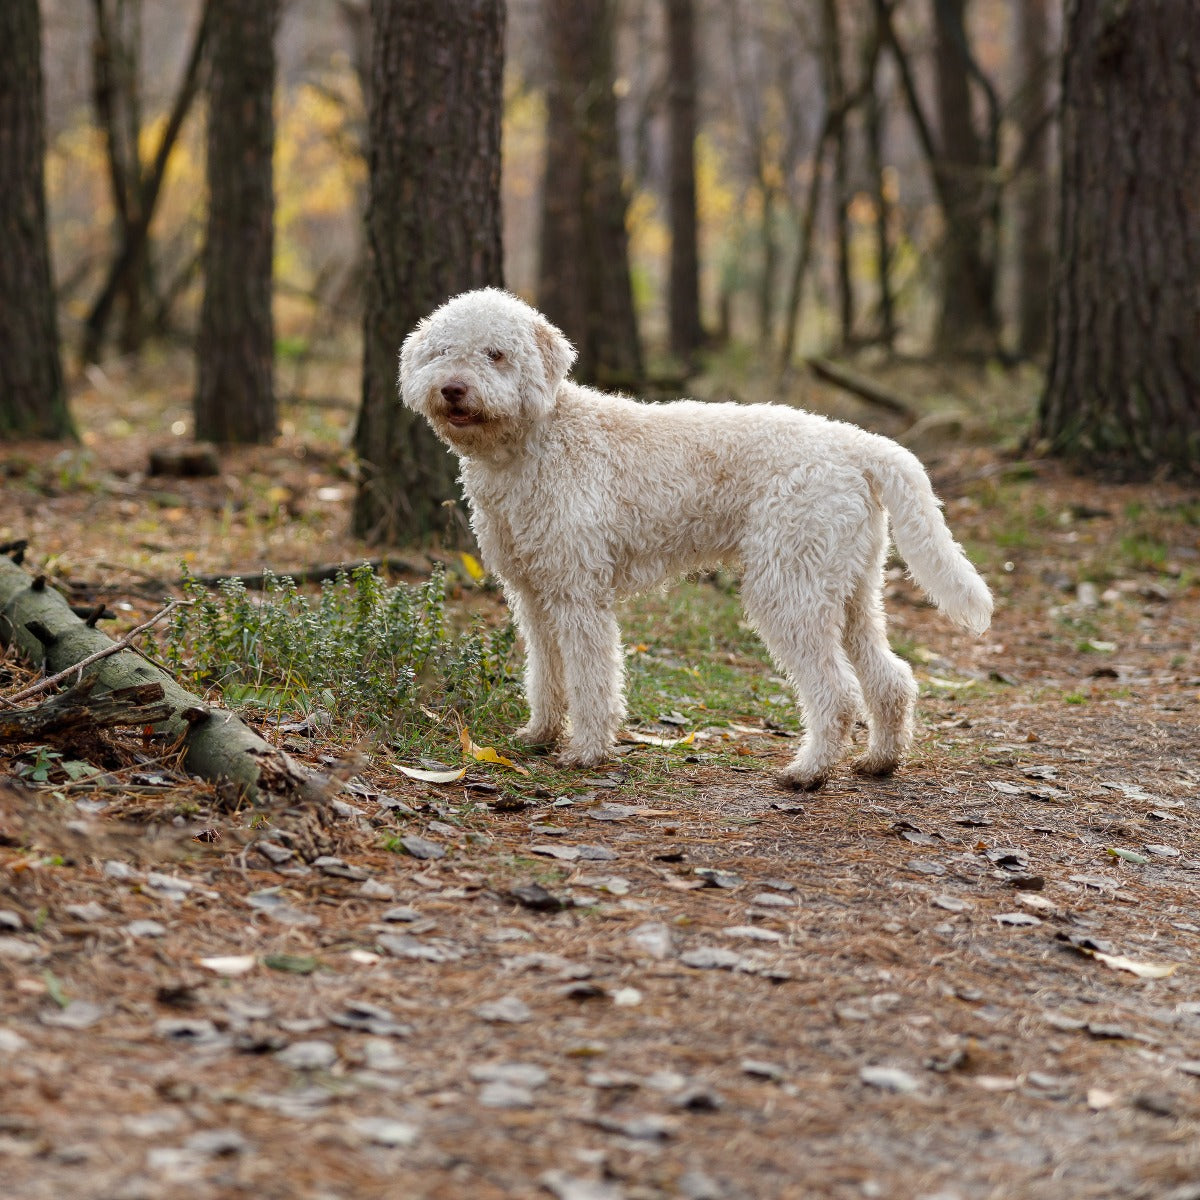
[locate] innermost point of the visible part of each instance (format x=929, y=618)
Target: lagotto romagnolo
x=579, y=497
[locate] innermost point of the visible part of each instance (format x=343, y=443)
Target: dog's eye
x=495, y=355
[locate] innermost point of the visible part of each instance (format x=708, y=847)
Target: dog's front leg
x=594, y=674
x=544, y=687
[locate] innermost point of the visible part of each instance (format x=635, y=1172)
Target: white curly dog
x=579, y=498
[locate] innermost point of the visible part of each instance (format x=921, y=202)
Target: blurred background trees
x=33, y=402
x=721, y=186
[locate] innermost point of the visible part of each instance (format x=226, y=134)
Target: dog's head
x=484, y=369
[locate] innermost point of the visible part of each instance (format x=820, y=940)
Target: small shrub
x=368, y=652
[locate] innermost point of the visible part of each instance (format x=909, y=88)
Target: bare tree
x=135, y=187
x=835, y=92
x=32, y=398
x=1123, y=390
x=235, y=346
x=962, y=162
x=683, y=291
x=433, y=229
x=968, y=279
x=583, y=277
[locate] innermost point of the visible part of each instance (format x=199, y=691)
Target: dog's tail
x=937, y=562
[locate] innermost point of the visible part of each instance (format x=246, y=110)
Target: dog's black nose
x=454, y=392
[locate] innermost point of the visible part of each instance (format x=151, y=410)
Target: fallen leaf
x=1143, y=970
x=422, y=848
x=650, y=739
x=653, y=938
x=473, y=567
x=314, y=1055
x=569, y=1187
x=294, y=964
x=385, y=1132
x=705, y=958
x=562, y=853
x=229, y=964
x=1129, y=856
x=890, y=1079
x=507, y=1010
x=1017, y=918
x=449, y=775
x=533, y=895
x=487, y=754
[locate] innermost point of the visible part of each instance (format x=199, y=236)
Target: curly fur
x=578, y=498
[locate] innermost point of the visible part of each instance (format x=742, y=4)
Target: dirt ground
x=980, y=978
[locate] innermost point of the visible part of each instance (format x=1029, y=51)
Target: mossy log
x=39, y=622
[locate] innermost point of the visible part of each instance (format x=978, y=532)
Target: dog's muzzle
x=457, y=406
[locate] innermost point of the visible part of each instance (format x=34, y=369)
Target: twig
x=123, y=644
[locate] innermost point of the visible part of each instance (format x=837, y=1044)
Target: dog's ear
x=557, y=353
x=408, y=354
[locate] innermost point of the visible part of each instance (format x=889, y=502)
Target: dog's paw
x=800, y=779
x=876, y=765
x=538, y=736
x=582, y=756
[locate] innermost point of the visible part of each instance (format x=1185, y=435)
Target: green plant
x=369, y=653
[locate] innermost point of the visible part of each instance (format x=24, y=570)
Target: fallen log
x=77, y=709
x=38, y=621
x=865, y=388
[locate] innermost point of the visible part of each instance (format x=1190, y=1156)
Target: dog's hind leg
x=801, y=560
x=804, y=637
x=545, y=689
x=594, y=674
x=889, y=690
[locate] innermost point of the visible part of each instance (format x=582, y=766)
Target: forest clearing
x=977, y=978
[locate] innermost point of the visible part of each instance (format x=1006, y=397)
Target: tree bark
x=433, y=230
x=40, y=624
x=584, y=285
x=1123, y=390
x=873, y=137
x=235, y=345
x=683, y=291
x=33, y=400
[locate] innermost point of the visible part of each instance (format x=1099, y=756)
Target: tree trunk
x=1123, y=391
x=33, y=401
x=583, y=280
x=235, y=345
x=683, y=293
x=873, y=136
x=835, y=94
x=1032, y=198
x=967, y=319
x=433, y=230
x=39, y=622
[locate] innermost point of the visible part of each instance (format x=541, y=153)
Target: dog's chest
x=512, y=522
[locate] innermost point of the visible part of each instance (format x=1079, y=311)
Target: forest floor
x=979, y=978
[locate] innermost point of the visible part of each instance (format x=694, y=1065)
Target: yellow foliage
x=314, y=177
x=649, y=236
x=716, y=201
